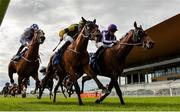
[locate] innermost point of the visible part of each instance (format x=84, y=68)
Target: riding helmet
x=35, y=26
x=112, y=27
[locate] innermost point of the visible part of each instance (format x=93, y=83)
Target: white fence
x=162, y=88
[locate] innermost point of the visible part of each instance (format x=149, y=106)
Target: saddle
x=58, y=55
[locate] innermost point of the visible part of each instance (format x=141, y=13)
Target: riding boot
x=63, y=48
x=20, y=49
x=97, y=59
x=18, y=54
x=59, y=53
x=99, y=52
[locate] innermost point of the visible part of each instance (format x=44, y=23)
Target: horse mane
x=124, y=36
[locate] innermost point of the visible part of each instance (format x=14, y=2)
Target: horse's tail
x=11, y=70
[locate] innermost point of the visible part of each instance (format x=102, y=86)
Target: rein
x=30, y=60
x=74, y=51
x=132, y=44
x=85, y=36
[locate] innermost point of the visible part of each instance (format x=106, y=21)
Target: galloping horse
x=113, y=59
x=75, y=60
x=29, y=63
x=50, y=82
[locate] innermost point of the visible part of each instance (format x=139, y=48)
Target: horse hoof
x=23, y=95
x=38, y=97
x=122, y=103
x=97, y=101
x=81, y=104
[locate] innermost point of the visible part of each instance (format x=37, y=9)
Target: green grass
x=71, y=104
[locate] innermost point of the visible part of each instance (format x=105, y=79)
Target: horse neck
x=81, y=42
x=33, y=51
x=122, y=51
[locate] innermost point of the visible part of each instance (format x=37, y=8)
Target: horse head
x=90, y=30
x=39, y=36
x=140, y=36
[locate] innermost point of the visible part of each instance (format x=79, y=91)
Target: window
x=178, y=70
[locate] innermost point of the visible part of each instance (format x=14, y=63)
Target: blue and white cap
x=35, y=26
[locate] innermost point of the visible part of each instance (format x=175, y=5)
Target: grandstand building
x=160, y=63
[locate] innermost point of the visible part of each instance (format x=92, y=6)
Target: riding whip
x=56, y=46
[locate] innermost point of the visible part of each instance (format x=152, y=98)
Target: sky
x=53, y=15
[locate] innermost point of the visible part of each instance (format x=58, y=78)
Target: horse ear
x=94, y=21
x=135, y=25
x=83, y=20
x=140, y=26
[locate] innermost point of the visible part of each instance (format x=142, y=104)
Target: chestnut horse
x=113, y=59
x=75, y=61
x=29, y=63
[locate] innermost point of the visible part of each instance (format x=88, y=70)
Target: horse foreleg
x=45, y=80
x=24, y=88
x=55, y=89
x=50, y=94
x=42, y=86
x=118, y=91
x=19, y=85
x=84, y=79
x=10, y=73
x=78, y=92
x=35, y=77
x=104, y=96
x=50, y=89
x=91, y=74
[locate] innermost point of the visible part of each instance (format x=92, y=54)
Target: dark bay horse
x=50, y=82
x=75, y=60
x=29, y=63
x=113, y=59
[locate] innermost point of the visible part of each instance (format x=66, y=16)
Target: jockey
x=25, y=39
x=68, y=35
x=7, y=84
x=108, y=38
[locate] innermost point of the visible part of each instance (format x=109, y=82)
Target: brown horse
x=75, y=60
x=113, y=59
x=29, y=63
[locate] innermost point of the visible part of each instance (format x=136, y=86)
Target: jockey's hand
x=61, y=40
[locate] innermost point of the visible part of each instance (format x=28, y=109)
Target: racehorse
x=112, y=60
x=28, y=65
x=50, y=82
x=10, y=90
x=75, y=61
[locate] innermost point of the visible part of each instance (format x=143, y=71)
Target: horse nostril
x=151, y=43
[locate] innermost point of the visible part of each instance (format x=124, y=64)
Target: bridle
x=37, y=59
x=135, y=38
x=86, y=36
